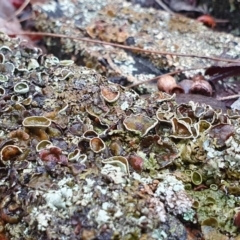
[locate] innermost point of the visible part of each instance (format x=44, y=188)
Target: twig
x=127, y=47
x=163, y=6
x=26, y=2
x=26, y=18
x=228, y=97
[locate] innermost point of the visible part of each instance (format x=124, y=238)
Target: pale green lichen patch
x=216, y=205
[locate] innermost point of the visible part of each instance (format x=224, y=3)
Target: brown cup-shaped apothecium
x=201, y=86
x=168, y=84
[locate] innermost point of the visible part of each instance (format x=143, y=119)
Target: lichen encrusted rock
x=57, y=187
x=123, y=22
x=76, y=165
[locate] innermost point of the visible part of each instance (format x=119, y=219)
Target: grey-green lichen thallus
x=82, y=158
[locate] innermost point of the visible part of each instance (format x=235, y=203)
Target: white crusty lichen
x=232, y=155
x=172, y=192
x=143, y=180
x=210, y=149
x=61, y=198
x=115, y=173
x=102, y=217
x=159, y=234
x=190, y=215
x=41, y=216
x=58, y=203
x=105, y=214
x=43, y=220
x=86, y=193
x=157, y=209
x=55, y=199
x=228, y=157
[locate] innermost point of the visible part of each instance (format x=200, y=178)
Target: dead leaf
x=236, y=104
x=10, y=28
x=186, y=5
x=224, y=71
x=6, y=9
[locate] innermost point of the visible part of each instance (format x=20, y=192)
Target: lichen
x=172, y=192
x=94, y=193
x=168, y=33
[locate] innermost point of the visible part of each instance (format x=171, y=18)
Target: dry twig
x=127, y=47
x=26, y=2
x=135, y=49
x=228, y=97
